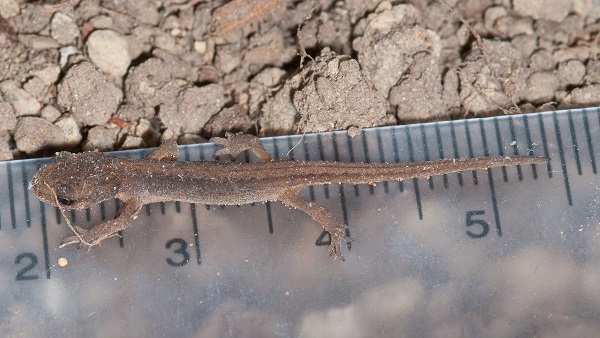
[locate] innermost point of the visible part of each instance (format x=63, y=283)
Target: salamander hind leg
x=236, y=143
x=336, y=230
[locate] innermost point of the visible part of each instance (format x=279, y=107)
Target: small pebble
x=34, y=134
x=108, y=50
x=102, y=138
x=23, y=103
x=62, y=262
x=63, y=29
x=70, y=128
x=541, y=87
x=8, y=120
x=9, y=8
x=585, y=96
x=50, y=113
x=571, y=72
x=552, y=10
x=133, y=142
x=47, y=74
x=5, y=153
x=65, y=53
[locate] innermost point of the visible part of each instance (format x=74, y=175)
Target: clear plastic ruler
x=501, y=252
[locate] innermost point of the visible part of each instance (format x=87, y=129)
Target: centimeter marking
x=400, y=141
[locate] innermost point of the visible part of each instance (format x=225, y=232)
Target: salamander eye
x=64, y=201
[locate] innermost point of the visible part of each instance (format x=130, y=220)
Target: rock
x=65, y=54
x=63, y=29
x=553, y=10
x=571, y=72
x=50, y=113
x=109, y=51
x=177, y=67
x=23, y=103
x=8, y=120
x=261, y=87
x=140, y=41
x=132, y=112
x=5, y=153
x=133, y=142
x=38, y=42
x=36, y=88
x=190, y=139
x=228, y=58
x=49, y=74
x=9, y=8
x=101, y=138
x=71, y=130
x=541, y=60
x=592, y=71
x=279, y=115
x=34, y=134
x=541, y=87
x=571, y=53
x=586, y=96
x=268, y=48
x=145, y=11
x=525, y=44
x=88, y=95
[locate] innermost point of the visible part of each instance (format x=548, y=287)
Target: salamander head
x=77, y=181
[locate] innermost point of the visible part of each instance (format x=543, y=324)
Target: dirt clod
x=150, y=84
x=418, y=96
x=328, y=94
x=193, y=108
x=495, y=85
x=88, y=94
x=392, y=37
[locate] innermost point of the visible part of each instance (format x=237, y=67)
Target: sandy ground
x=93, y=74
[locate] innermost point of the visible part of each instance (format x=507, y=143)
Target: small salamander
x=79, y=181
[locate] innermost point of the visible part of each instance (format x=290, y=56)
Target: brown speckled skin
x=79, y=181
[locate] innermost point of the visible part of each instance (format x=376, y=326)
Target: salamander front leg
x=167, y=151
x=100, y=232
